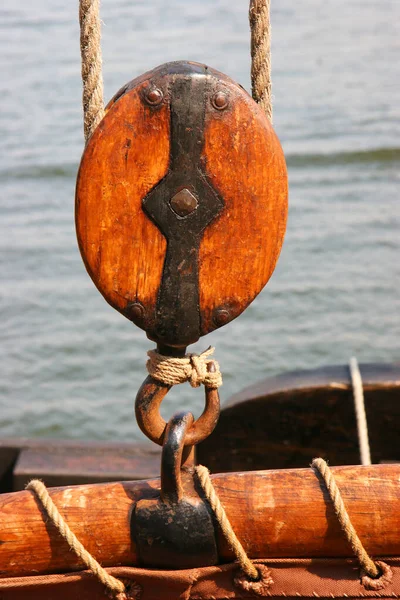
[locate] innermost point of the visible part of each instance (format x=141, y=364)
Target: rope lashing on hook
x=92, y=76
x=115, y=586
x=195, y=368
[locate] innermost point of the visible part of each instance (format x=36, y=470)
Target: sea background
x=70, y=365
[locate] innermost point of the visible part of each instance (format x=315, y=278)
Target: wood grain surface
x=239, y=251
x=126, y=156
x=130, y=152
x=274, y=514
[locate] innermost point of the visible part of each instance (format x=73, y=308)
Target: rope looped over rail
x=374, y=575
x=374, y=571
x=203, y=475
x=115, y=586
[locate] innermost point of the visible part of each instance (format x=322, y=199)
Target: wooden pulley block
x=181, y=202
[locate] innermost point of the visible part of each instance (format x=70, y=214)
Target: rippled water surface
x=70, y=365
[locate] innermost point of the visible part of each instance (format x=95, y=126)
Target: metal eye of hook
x=175, y=455
x=147, y=409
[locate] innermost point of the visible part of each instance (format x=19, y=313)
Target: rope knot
x=194, y=368
x=198, y=372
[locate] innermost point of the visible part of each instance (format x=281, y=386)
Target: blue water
x=70, y=364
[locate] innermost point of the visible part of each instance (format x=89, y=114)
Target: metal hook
x=147, y=409
x=175, y=456
x=175, y=527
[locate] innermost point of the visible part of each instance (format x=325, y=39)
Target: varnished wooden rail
x=274, y=514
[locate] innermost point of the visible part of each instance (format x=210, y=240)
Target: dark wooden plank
x=71, y=466
x=328, y=376
x=68, y=462
x=286, y=421
x=8, y=458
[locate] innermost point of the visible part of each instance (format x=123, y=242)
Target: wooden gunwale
x=283, y=513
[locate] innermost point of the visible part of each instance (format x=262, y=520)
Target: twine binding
x=195, y=368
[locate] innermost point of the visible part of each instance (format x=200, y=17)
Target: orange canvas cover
x=304, y=578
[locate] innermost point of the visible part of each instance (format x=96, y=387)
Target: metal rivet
x=184, y=203
x=220, y=100
x=221, y=316
x=154, y=96
x=136, y=311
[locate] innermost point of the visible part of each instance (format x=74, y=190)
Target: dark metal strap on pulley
x=182, y=205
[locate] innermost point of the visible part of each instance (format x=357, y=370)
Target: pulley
x=181, y=202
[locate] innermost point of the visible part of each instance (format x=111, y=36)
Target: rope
x=114, y=585
x=194, y=368
x=359, y=406
x=92, y=77
x=260, y=26
x=219, y=511
x=366, y=563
